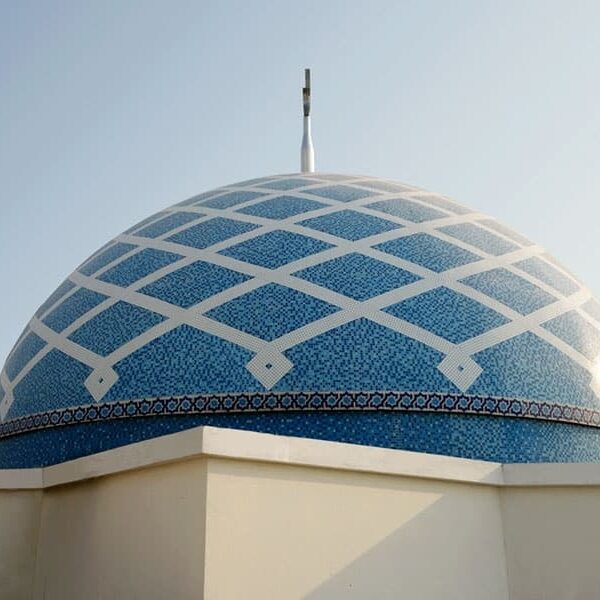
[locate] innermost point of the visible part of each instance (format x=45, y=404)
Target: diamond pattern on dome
x=592, y=308
x=281, y=207
x=231, y=199
x=179, y=324
x=211, y=232
x=114, y=327
x=104, y=258
x=289, y=184
x=167, y=223
x=574, y=330
x=138, y=265
x=448, y=314
x=545, y=272
x=445, y=204
x=510, y=289
x=141, y=224
x=271, y=311
x=383, y=186
x=341, y=193
x=73, y=307
x=479, y=237
x=275, y=249
x=350, y=225
x=62, y=290
x=55, y=381
x=408, y=210
x=357, y=276
x=505, y=231
x=27, y=348
x=198, y=198
x=428, y=251
x=193, y=283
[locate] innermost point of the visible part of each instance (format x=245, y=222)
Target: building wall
x=275, y=531
x=552, y=542
x=218, y=514
x=133, y=535
x=19, y=523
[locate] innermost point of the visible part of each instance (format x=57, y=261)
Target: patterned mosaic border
x=303, y=401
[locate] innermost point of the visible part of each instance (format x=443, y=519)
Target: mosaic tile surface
x=326, y=306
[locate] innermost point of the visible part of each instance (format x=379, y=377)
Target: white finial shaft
x=307, y=154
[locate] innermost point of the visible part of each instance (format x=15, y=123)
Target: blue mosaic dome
x=314, y=305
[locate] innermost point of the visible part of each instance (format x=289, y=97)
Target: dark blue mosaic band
x=206, y=404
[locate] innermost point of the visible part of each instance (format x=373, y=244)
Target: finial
x=307, y=160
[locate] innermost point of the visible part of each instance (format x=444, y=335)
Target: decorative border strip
x=255, y=402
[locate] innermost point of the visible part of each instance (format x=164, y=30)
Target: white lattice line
x=342, y=247
x=267, y=275
x=8, y=395
x=522, y=323
x=65, y=345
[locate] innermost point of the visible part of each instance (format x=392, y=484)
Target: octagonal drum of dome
x=316, y=305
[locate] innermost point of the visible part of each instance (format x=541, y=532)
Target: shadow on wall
x=329, y=534
x=439, y=553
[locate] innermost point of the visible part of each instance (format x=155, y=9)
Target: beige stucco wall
x=275, y=531
x=553, y=542
x=219, y=514
x=133, y=535
x=19, y=521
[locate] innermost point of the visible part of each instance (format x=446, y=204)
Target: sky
x=113, y=110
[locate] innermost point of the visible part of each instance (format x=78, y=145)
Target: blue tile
x=445, y=204
x=289, y=184
x=192, y=284
x=138, y=265
x=200, y=197
x=363, y=355
x=281, y=207
x=211, y=232
x=592, y=308
x=479, y=237
x=231, y=199
x=106, y=257
x=448, y=314
x=528, y=367
x=275, y=249
x=350, y=225
x=114, y=327
x=254, y=182
x=383, y=186
x=341, y=193
x=62, y=290
x=428, y=251
x=332, y=176
x=180, y=362
x=29, y=346
x=271, y=311
x=510, y=289
x=506, y=231
x=145, y=221
x=167, y=223
x=357, y=276
x=55, y=381
x=407, y=209
x=73, y=307
x=574, y=330
x=548, y=274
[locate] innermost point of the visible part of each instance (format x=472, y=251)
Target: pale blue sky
x=112, y=110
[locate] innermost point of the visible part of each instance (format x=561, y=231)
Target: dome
x=324, y=306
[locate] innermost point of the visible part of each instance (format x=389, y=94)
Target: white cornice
x=245, y=445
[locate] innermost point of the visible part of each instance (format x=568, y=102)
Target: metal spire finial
x=307, y=160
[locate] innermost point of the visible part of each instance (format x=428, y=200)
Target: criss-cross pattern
x=270, y=264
